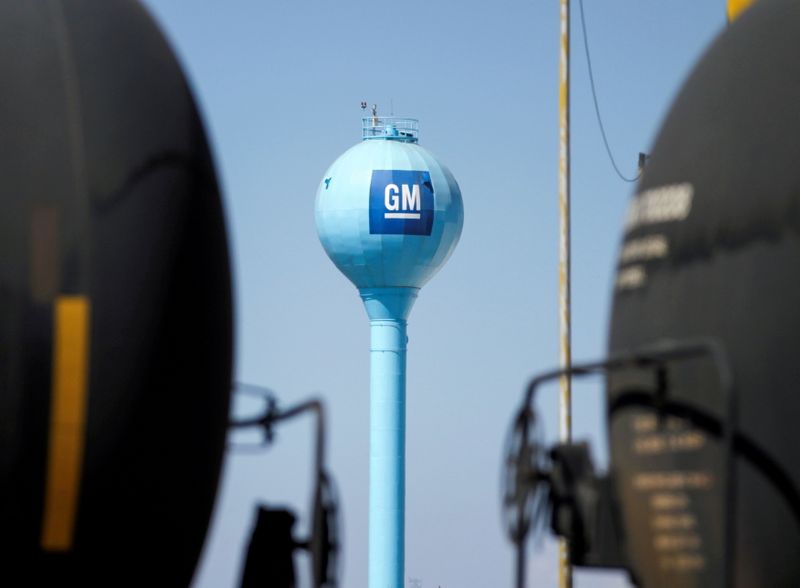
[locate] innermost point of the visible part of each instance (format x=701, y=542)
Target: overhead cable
x=597, y=107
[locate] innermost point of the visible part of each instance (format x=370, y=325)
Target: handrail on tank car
x=657, y=356
x=325, y=549
x=273, y=415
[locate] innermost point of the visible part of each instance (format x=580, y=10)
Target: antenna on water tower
x=388, y=214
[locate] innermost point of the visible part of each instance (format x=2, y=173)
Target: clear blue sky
x=279, y=83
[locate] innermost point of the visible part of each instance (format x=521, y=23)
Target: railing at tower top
x=390, y=127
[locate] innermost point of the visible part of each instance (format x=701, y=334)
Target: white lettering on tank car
x=660, y=205
x=631, y=277
x=651, y=247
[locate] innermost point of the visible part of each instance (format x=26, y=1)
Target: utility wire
x=596, y=107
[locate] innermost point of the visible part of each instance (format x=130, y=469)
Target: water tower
x=388, y=215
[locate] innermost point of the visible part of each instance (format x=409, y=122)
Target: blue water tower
x=388, y=214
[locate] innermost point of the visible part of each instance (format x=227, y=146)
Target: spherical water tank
x=388, y=212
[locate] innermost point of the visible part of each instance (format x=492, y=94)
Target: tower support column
x=388, y=309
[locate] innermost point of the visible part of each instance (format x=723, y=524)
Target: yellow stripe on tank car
x=736, y=7
x=67, y=421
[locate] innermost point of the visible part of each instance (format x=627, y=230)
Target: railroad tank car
x=711, y=250
x=115, y=302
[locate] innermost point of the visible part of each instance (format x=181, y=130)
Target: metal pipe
x=272, y=415
x=387, y=453
x=314, y=406
x=565, y=352
x=388, y=309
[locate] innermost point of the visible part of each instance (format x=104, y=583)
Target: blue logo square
x=400, y=202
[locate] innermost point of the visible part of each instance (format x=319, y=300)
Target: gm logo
x=400, y=202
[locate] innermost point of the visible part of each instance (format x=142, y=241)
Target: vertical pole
x=565, y=352
x=387, y=452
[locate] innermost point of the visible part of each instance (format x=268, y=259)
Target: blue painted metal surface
x=387, y=309
x=342, y=214
x=388, y=215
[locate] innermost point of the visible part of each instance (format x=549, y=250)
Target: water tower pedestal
x=388, y=310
